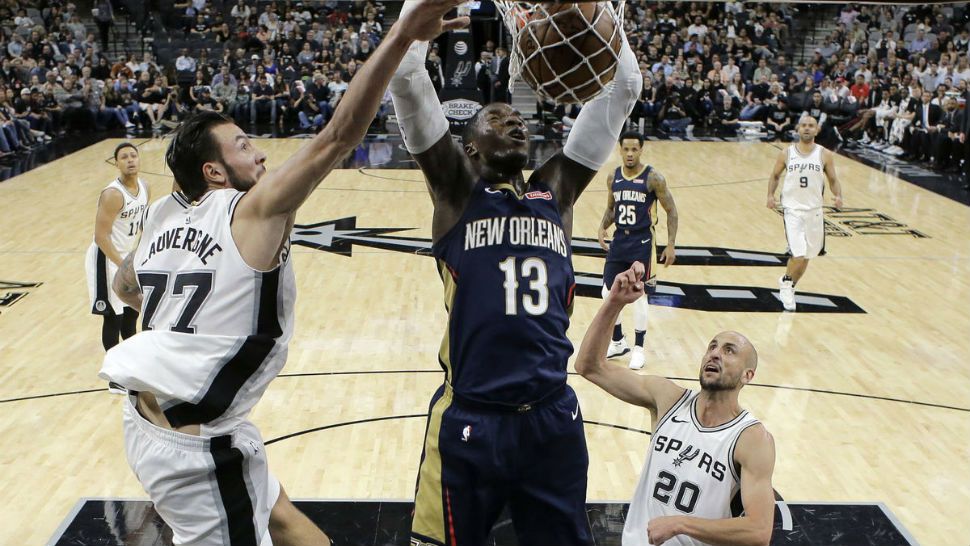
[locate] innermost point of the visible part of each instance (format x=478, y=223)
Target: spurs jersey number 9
x=804, y=179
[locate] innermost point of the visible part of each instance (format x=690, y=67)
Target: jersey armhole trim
x=734, y=443
x=684, y=397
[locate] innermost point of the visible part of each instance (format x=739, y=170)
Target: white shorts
x=101, y=273
x=212, y=491
x=805, y=231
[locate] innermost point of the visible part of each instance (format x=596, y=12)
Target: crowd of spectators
x=713, y=64
x=267, y=62
x=889, y=77
x=893, y=78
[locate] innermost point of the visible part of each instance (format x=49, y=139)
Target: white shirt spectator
x=242, y=12
x=185, y=64
x=728, y=71
x=700, y=30
x=960, y=75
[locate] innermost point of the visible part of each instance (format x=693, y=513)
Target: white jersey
x=690, y=471
x=804, y=179
x=127, y=225
x=215, y=331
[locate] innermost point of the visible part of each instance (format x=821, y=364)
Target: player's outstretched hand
x=425, y=20
x=628, y=286
x=662, y=529
x=602, y=238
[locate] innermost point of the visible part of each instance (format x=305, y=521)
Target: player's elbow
x=342, y=138
x=586, y=365
x=760, y=535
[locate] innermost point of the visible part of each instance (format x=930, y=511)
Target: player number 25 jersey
x=632, y=200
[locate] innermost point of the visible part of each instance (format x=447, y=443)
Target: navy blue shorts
x=477, y=461
x=623, y=252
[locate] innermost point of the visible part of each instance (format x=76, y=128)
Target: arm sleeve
x=416, y=105
x=600, y=121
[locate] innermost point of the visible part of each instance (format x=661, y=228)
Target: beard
x=721, y=383
x=238, y=181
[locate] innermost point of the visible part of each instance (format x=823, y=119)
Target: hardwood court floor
x=825, y=380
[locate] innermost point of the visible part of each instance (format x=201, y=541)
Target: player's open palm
x=423, y=21
x=628, y=286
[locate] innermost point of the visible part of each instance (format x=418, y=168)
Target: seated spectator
x=726, y=117
x=779, y=120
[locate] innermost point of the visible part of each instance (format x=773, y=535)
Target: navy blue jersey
x=508, y=275
x=632, y=201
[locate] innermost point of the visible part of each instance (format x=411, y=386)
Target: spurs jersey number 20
x=690, y=471
x=804, y=179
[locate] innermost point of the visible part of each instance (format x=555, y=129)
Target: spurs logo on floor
x=340, y=237
x=11, y=292
x=848, y=221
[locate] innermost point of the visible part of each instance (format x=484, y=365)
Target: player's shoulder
x=755, y=436
x=755, y=447
x=665, y=393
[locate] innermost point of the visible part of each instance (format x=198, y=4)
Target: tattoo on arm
x=126, y=283
x=659, y=185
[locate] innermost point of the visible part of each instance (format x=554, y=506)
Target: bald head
x=745, y=348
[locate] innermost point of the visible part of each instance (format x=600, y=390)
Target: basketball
x=569, y=47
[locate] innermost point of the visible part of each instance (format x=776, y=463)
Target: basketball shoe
x=786, y=291
x=617, y=348
x=638, y=359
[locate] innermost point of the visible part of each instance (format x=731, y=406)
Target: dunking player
x=219, y=292
x=117, y=227
x=705, y=448
x=803, y=163
x=632, y=191
x=504, y=428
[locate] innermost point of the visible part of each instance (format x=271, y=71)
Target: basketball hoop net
x=524, y=19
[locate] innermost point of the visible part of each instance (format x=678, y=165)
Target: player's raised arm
x=654, y=393
x=755, y=454
x=287, y=188
x=829, y=166
x=658, y=184
x=608, y=214
x=427, y=136
x=775, y=177
x=594, y=134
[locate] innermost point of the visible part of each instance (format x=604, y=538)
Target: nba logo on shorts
x=100, y=305
x=466, y=433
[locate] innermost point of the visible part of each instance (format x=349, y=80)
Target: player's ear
x=214, y=173
x=747, y=376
